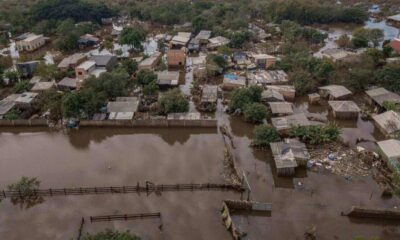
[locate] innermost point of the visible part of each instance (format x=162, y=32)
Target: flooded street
x=116, y=157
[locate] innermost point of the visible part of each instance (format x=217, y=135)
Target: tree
x=344, y=41
x=244, y=96
x=145, y=76
x=133, y=37
x=13, y=76
x=21, y=87
x=13, y=114
x=82, y=104
x=239, y=38
x=130, y=66
x=316, y=134
x=109, y=234
x=150, y=89
x=50, y=101
x=360, y=38
x=255, y=112
x=26, y=188
x=220, y=61
x=110, y=84
x=389, y=77
x=173, y=101
x=264, y=134
x=303, y=81
x=375, y=36
x=47, y=72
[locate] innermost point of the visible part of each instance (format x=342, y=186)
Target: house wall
x=345, y=115
x=31, y=45
x=285, y=172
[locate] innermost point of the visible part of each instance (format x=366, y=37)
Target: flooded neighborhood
x=179, y=119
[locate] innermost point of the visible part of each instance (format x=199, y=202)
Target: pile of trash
x=342, y=160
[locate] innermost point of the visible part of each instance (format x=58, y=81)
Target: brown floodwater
x=115, y=157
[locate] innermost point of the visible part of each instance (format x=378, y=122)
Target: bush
x=21, y=87
x=108, y=234
x=150, y=89
x=13, y=114
x=173, y=101
x=316, y=134
x=265, y=134
x=255, y=112
x=244, y=96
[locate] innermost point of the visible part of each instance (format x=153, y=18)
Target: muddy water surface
x=116, y=157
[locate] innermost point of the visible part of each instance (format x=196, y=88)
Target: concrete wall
x=24, y=123
x=149, y=123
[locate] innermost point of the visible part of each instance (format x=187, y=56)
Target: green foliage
x=363, y=36
x=391, y=106
x=265, y=134
x=68, y=34
x=292, y=32
x=220, y=61
x=145, y=76
x=224, y=50
x=82, y=104
x=307, y=12
x=237, y=39
x=50, y=101
x=26, y=188
x=173, y=101
x=344, y=41
x=12, y=76
x=244, y=96
x=109, y=234
x=133, y=37
x=47, y=72
x=110, y=84
x=13, y=114
x=316, y=134
x=21, y=87
x=150, y=89
x=77, y=10
x=255, y=112
x=389, y=77
x=303, y=81
x=130, y=66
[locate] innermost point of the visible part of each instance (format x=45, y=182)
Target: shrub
x=12, y=114
x=21, y=87
x=316, y=134
x=265, y=134
x=255, y=112
x=150, y=89
x=173, y=101
x=244, y=96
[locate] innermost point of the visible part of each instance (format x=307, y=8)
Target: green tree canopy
x=173, y=101
x=133, y=37
x=264, y=135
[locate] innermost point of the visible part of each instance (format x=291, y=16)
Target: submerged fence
x=124, y=217
x=147, y=188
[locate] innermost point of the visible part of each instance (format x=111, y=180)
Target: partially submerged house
x=340, y=55
x=263, y=61
x=107, y=62
x=123, y=108
x=88, y=40
x=394, y=20
x=27, y=69
x=176, y=58
x=216, y=42
x=240, y=60
x=85, y=69
x=390, y=150
x=283, y=124
x=233, y=81
x=41, y=87
x=168, y=78
x=344, y=109
x=68, y=83
x=271, y=95
x=151, y=62
x=181, y=40
x=29, y=42
x=25, y=100
x=280, y=108
x=5, y=107
x=388, y=122
x=209, y=97
x=288, y=91
x=264, y=78
x=288, y=155
x=335, y=92
x=71, y=62
x=203, y=36
x=379, y=96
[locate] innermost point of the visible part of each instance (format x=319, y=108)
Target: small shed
x=122, y=110
x=288, y=91
x=233, y=81
x=388, y=122
x=25, y=100
x=281, y=108
x=217, y=42
x=176, y=58
x=209, y=97
x=150, y=62
x=264, y=60
x=283, y=124
x=270, y=95
x=344, y=109
x=378, y=96
x=314, y=98
x=168, y=78
x=264, y=77
x=390, y=150
x=67, y=83
x=203, y=36
x=335, y=92
x=41, y=87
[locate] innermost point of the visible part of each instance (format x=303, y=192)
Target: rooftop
x=43, y=86
x=269, y=77
x=6, y=106
x=286, y=152
x=234, y=79
x=209, y=93
x=102, y=60
x=218, y=41
x=123, y=106
x=73, y=59
x=284, y=123
x=203, y=35
x=390, y=147
x=272, y=95
x=281, y=107
x=26, y=97
x=87, y=65
x=184, y=116
x=336, y=91
x=68, y=82
x=381, y=95
x=344, y=106
x=168, y=78
x=388, y=121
